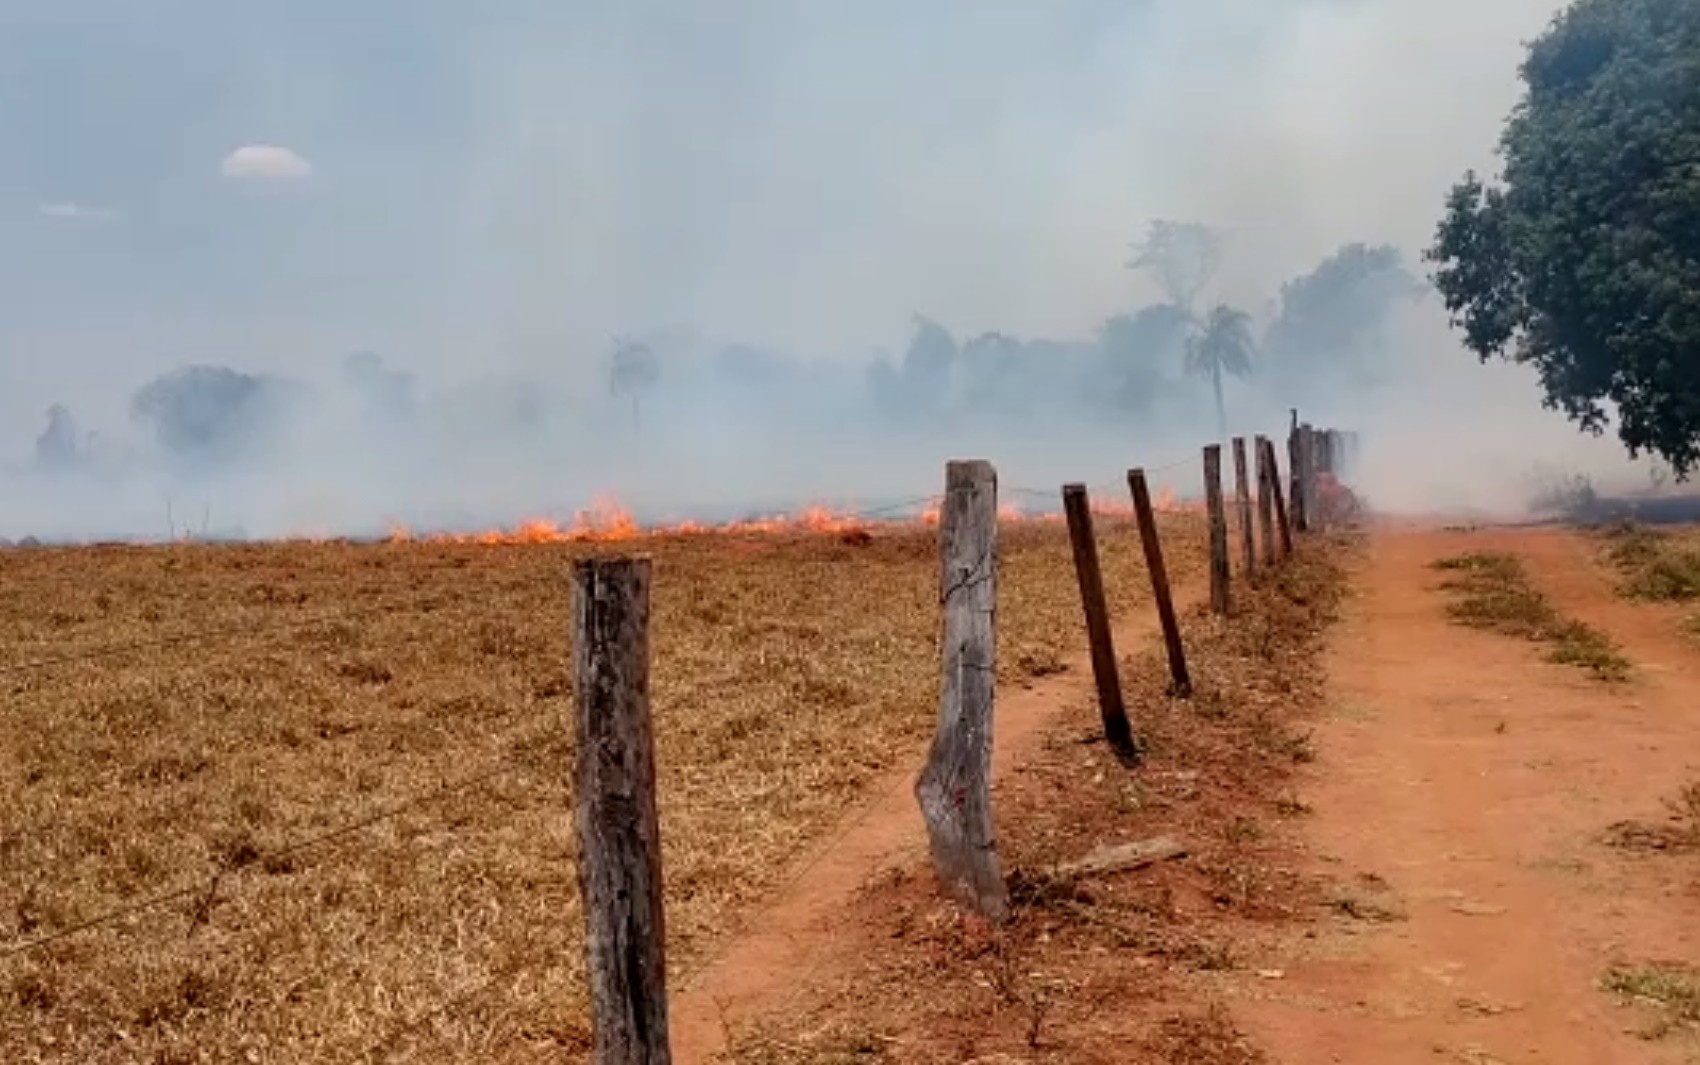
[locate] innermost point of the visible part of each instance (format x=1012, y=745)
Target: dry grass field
x=180, y=719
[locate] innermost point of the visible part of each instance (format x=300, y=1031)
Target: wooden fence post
x=1218, y=528
x=1265, y=504
x=619, y=839
x=1282, y=526
x=1117, y=731
x=954, y=790
x=1242, y=507
x=1181, y=681
x=1307, y=477
x=1295, y=483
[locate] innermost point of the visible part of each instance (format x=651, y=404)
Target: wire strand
x=116, y=650
x=503, y=766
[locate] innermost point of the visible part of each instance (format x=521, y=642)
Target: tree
x=1582, y=259
x=212, y=415
x=59, y=447
x=1330, y=328
x=1182, y=257
x=1136, y=348
x=1223, y=345
x=632, y=371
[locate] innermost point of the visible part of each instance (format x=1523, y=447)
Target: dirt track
x=1466, y=785
x=1462, y=794
x=799, y=938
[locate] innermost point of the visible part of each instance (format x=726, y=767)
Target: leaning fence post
x=1117, y=731
x=1265, y=505
x=1218, y=528
x=619, y=839
x=1181, y=681
x=954, y=789
x=1242, y=507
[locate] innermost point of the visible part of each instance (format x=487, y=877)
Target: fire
x=606, y=521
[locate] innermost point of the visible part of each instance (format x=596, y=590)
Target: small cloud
x=265, y=162
x=76, y=210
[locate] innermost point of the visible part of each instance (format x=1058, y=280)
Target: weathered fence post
x=619, y=838
x=1295, y=478
x=1282, y=526
x=1218, y=528
x=1181, y=681
x=954, y=790
x=1242, y=507
x=1117, y=731
x=1265, y=505
x=1307, y=477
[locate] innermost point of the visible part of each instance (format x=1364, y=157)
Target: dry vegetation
x=1492, y=592
x=272, y=694
x=1116, y=967
x=1661, y=566
x=1668, y=993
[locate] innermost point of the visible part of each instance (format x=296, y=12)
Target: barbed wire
x=216, y=633
x=207, y=887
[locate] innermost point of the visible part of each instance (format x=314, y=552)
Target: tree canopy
x=1583, y=259
x=1182, y=257
x=1330, y=331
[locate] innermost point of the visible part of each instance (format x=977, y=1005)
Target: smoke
x=850, y=241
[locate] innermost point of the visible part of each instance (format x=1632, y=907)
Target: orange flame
x=606, y=521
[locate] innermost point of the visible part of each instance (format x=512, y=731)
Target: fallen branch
x=1121, y=858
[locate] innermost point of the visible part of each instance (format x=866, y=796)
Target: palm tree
x=1221, y=345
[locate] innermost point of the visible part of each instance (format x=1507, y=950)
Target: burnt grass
x=1113, y=967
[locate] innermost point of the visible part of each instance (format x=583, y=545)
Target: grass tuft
x=1671, y=989
x=1654, y=566
x=1493, y=592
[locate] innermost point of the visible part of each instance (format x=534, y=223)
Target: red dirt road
x=1466, y=785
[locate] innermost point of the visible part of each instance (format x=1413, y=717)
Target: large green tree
x=1583, y=259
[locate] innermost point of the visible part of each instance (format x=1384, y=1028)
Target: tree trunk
x=1221, y=407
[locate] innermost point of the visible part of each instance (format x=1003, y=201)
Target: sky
x=482, y=189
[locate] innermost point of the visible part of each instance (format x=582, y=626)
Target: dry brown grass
x=1114, y=968
x=336, y=681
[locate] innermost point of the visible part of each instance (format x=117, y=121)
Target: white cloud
x=265, y=162
x=76, y=210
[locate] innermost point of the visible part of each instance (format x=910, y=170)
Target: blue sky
x=504, y=185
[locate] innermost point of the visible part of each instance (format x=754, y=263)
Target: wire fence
x=200, y=894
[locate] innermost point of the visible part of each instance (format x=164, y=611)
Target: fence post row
x=1265, y=504
x=1242, y=507
x=954, y=789
x=1218, y=528
x=1180, y=679
x=1118, y=732
x=619, y=838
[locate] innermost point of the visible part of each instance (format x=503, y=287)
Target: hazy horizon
x=486, y=201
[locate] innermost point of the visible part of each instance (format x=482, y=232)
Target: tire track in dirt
x=788, y=945
x=1470, y=783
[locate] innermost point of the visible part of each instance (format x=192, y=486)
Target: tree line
x=1173, y=355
